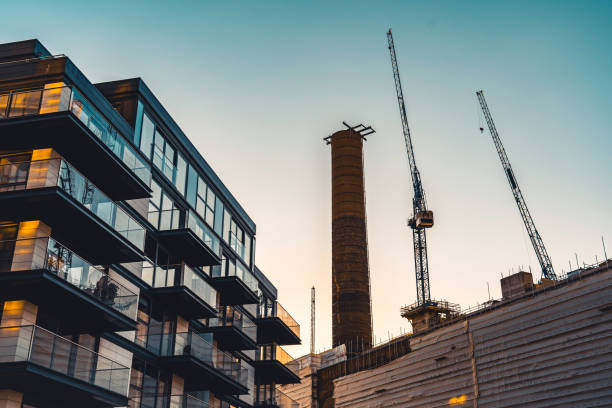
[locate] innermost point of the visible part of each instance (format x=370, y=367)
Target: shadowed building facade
x=351, y=309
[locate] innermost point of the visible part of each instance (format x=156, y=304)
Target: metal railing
x=442, y=305
x=167, y=401
x=230, y=316
x=46, y=253
x=44, y=348
x=68, y=99
x=59, y=173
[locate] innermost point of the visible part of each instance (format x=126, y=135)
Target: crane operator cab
x=424, y=219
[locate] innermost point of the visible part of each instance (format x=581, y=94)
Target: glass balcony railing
x=230, y=316
x=199, y=286
x=235, y=268
x=286, y=318
x=167, y=401
x=59, y=173
x=278, y=400
x=165, y=276
x=39, y=346
x=195, y=224
x=47, y=253
x=195, y=345
x=67, y=99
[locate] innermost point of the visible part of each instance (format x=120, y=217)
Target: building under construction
x=541, y=345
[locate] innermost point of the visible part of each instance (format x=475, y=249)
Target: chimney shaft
x=351, y=308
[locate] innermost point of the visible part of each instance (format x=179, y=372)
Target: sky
x=257, y=85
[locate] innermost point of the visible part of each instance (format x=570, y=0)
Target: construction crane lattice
x=537, y=242
x=422, y=218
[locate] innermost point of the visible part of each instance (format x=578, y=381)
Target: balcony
x=192, y=242
x=61, y=372
x=183, y=290
x=277, y=326
x=233, y=330
x=275, y=366
x=167, y=401
x=51, y=190
x=203, y=365
x=235, y=283
x=278, y=400
x=60, y=117
x=56, y=279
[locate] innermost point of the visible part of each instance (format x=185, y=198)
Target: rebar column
x=351, y=308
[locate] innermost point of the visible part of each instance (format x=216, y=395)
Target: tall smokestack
x=351, y=307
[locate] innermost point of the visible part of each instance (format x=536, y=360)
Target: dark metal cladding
x=351, y=309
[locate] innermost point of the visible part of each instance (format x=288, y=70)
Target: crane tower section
x=421, y=217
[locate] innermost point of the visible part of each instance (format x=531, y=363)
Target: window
x=205, y=203
x=163, y=212
x=181, y=174
x=146, y=135
x=163, y=156
x=218, y=227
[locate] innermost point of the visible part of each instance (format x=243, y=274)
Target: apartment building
x=127, y=267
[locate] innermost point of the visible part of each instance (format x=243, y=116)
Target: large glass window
x=146, y=135
x=205, y=203
x=218, y=227
x=163, y=156
x=163, y=212
x=181, y=174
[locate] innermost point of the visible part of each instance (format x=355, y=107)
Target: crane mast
x=538, y=245
x=421, y=218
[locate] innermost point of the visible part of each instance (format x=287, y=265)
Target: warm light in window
x=457, y=400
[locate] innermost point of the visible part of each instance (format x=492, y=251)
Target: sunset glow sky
x=258, y=85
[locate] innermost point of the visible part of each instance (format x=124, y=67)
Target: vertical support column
x=351, y=309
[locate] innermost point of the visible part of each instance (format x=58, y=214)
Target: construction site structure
x=540, y=345
x=351, y=305
x=536, y=240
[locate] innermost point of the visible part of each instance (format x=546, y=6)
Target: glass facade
x=161, y=328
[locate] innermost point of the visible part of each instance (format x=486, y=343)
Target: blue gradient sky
x=257, y=85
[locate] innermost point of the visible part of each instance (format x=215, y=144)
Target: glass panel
x=4, y=106
x=181, y=174
x=107, y=133
x=59, y=99
x=84, y=192
x=199, y=286
x=282, y=314
x=218, y=217
x=40, y=346
x=146, y=136
x=196, y=224
x=196, y=345
x=192, y=185
x=25, y=103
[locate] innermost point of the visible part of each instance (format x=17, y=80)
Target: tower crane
x=536, y=240
x=421, y=218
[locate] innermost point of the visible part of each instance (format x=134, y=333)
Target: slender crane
x=538, y=245
x=421, y=218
